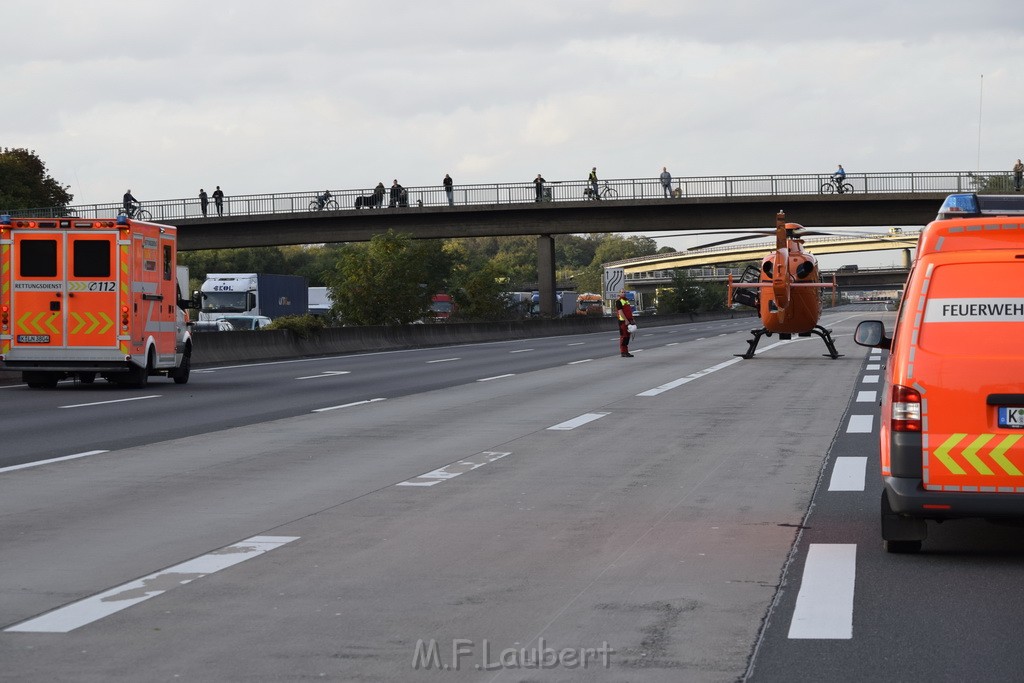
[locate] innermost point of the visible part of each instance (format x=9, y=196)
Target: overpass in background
x=509, y=209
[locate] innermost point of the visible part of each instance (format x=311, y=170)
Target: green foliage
x=302, y=326
x=25, y=183
x=993, y=184
x=478, y=294
x=388, y=281
x=687, y=295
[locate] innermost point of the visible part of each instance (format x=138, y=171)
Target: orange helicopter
x=785, y=290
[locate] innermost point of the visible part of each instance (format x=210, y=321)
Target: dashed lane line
x=347, y=405
x=453, y=470
x=848, y=474
x=824, y=605
x=102, y=403
x=91, y=609
x=577, y=421
x=860, y=424
x=37, y=463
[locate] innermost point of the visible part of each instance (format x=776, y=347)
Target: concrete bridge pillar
x=907, y=261
x=546, y=274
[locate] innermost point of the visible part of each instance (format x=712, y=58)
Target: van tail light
x=906, y=409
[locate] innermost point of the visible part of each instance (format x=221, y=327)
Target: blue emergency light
x=5, y=219
x=122, y=219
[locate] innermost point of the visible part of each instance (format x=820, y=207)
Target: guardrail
x=560, y=191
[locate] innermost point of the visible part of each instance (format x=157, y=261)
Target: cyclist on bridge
x=840, y=176
x=130, y=203
x=322, y=198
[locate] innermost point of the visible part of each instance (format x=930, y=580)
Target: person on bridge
x=538, y=182
x=378, y=195
x=321, y=199
x=1018, y=175
x=218, y=200
x=396, y=192
x=448, y=182
x=625, y=314
x=666, y=181
x=840, y=176
x=592, y=179
x=130, y=203
x=204, y=201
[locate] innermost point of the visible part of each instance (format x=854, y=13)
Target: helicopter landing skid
x=826, y=336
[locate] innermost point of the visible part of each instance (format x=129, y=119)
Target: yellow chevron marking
x=998, y=454
x=94, y=321
x=108, y=322
x=79, y=320
x=50, y=324
x=23, y=321
x=942, y=453
x=971, y=454
x=36, y=327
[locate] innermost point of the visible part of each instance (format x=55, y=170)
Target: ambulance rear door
x=969, y=364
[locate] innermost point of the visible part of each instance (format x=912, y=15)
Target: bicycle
x=836, y=186
x=603, y=192
x=324, y=203
x=136, y=212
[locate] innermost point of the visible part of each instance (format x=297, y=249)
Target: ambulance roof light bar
x=971, y=205
x=122, y=219
x=5, y=219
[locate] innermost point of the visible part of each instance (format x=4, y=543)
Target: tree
x=687, y=295
x=25, y=183
x=388, y=281
x=992, y=184
x=479, y=293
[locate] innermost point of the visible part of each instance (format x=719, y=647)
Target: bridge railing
x=169, y=210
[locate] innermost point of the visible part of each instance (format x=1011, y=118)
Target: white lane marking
x=455, y=469
x=443, y=360
x=576, y=344
x=577, y=421
x=488, y=379
x=520, y=350
x=101, y=403
x=577, y=362
x=873, y=366
x=824, y=605
x=347, y=405
x=870, y=379
x=848, y=474
x=91, y=609
x=672, y=344
x=326, y=373
x=689, y=378
x=867, y=396
x=860, y=424
x=37, y=463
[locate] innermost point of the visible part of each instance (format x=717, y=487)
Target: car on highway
x=211, y=326
x=246, y=322
x=952, y=407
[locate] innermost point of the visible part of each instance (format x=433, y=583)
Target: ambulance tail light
x=5, y=316
x=906, y=409
x=124, y=317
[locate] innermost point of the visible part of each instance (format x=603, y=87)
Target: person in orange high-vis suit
x=625, y=315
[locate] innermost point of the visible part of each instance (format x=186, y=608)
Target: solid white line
x=326, y=373
x=867, y=396
x=91, y=609
x=443, y=360
x=824, y=605
x=870, y=379
x=488, y=379
x=119, y=400
x=37, y=463
x=860, y=424
x=576, y=344
x=848, y=474
x=347, y=405
x=577, y=362
x=577, y=421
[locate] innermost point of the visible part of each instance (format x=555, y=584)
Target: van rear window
x=975, y=309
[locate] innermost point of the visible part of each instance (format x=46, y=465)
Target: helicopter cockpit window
x=804, y=270
x=767, y=267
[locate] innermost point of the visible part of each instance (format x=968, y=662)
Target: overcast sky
x=259, y=96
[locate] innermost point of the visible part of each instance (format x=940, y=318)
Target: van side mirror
x=871, y=333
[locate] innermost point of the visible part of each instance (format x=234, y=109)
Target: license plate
x=33, y=339
x=1011, y=417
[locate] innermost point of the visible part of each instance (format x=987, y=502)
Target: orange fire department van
x=952, y=417
x=87, y=297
